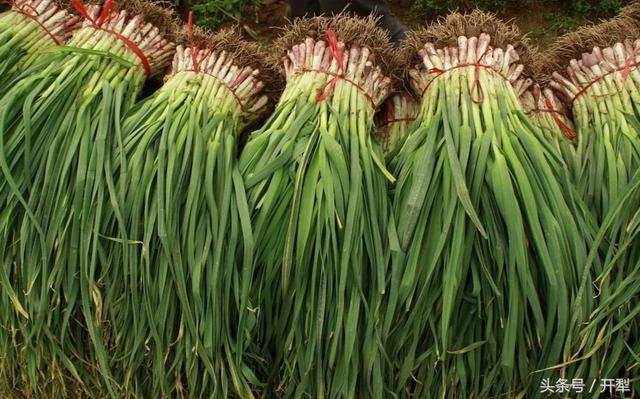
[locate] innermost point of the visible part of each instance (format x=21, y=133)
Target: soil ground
x=543, y=23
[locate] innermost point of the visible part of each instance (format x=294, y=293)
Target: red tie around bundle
x=325, y=91
x=625, y=71
x=396, y=120
x=32, y=14
x=476, y=76
x=104, y=17
x=566, y=130
x=197, y=63
x=629, y=63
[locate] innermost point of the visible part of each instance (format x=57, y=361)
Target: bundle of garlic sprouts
x=181, y=197
x=489, y=250
x=317, y=188
x=58, y=128
x=600, y=84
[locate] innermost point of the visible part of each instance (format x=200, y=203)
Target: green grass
x=213, y=13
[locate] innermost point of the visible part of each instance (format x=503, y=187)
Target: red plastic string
x=327, y=89
x=476, y=75
x=79, y=6
x=204, y=57
x=625, y=69
x=21, y=10
x=476, y=81
x=340, y=77
x=197, y=63
x=103, y=18
x=390, y=111
x=396, y=120
x=235, y=95
x=629, y=63
x=22, y=6
x=106, y=12
x=566, y=130
x=332, y=39
x=194, y=56
x=476, y=78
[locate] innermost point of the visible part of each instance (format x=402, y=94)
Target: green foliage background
x=212, y=13
x=576, y=8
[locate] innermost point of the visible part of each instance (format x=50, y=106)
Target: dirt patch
x=265, y=21
x=542, y=22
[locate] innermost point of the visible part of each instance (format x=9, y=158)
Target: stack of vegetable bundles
x=26, y=30
x=317, y=187
x=490, y=251
x=600, y=83
x=185, y=227
x=600, y=87
x=59, y=125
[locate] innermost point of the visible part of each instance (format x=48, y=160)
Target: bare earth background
x=544, y=20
